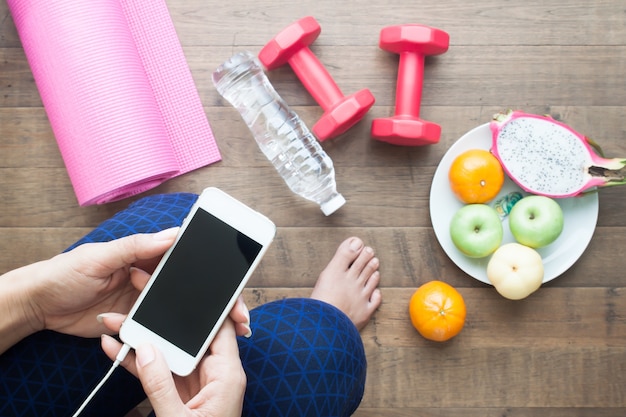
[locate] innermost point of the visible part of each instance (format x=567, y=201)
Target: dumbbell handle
x=409, y=85
x=315, y=78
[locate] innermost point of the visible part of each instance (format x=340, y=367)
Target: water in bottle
x=280, y=133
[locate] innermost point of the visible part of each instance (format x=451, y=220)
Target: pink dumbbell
x=291, y=46
x=412, y=42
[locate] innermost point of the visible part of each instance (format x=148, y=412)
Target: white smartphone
x=198, y=280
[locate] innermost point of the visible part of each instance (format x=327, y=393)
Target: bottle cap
x=333, y=204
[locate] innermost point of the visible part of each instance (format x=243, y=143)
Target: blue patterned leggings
x=305, y=357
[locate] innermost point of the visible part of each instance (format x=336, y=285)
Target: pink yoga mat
x=118, y=93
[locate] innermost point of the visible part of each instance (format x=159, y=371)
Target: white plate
x=580, y=216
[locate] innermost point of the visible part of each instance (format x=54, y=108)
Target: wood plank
x=559, y=22
x=25, y=203
x=386, y=197
x=582, y=318
x=409, y=256
x=525, y=376
x=28, y=140
x=453, y=79
x=488, y=412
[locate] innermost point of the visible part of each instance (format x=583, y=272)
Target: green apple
x=476, y=230
x=536, y=221
x=515, y=270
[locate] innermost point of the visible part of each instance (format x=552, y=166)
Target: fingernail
x=145, y=355
x=167, y=234
x=101, y=317
x=249, y=334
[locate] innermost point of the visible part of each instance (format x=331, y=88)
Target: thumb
x=127, y=250
x=157, y=381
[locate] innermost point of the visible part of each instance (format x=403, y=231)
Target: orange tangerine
x=437, y=311
x=476, y=176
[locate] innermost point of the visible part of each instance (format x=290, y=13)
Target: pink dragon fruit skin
x=546, y=157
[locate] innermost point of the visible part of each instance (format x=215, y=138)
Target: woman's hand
x=71, y=289
x=67, y=293
x=215, y=388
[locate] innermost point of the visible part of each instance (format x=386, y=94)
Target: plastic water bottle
x=282, y=136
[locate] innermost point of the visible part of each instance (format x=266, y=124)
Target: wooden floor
x=561, y=352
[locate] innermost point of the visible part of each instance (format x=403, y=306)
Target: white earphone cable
x=119, y=358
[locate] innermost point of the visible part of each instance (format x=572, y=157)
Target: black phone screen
x=196, y=283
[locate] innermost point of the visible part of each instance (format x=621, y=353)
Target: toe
x=372, y=282
x=369, y=269
x=346, y=253
x=376, y=299
x=360, y=264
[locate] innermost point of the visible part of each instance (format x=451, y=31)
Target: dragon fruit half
x=546, y=157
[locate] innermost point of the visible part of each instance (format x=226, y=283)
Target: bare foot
x=350, y=281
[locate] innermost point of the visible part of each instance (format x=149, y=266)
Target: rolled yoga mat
x=117, y=91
